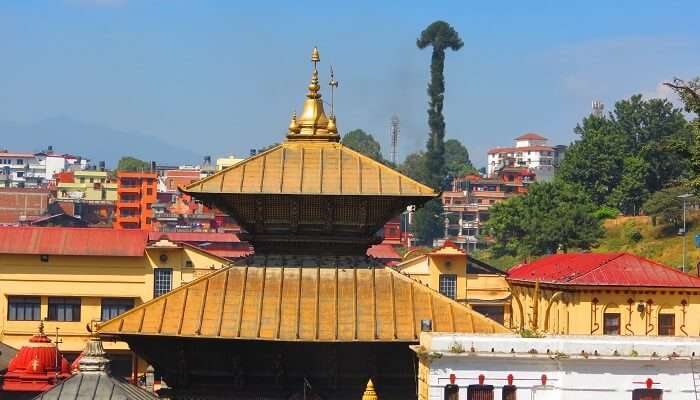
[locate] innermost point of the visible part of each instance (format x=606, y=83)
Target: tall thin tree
x=441, y=36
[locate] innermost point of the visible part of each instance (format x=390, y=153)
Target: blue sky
x=222, y=77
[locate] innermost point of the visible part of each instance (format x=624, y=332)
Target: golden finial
x=331, y=125
x=370, y=394
x=294, y=126
x=41, y=328
x=313, y=86
x=315, y=56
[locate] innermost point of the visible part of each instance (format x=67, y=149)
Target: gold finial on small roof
x=370, y=394
x=293, y=125
x=315, y=56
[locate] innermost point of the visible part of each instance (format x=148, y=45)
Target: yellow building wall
x=91, y=278
x=581, y=311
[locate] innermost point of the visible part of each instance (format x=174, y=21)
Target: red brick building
x=21, y=204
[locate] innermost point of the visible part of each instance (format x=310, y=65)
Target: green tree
x=132, y=164
x=552, y=216
x=415, y=167
x=457, y=162
x=364, y=143
x=631, y=192
x=441, y=36
x=428, y=222
x=666, y=206
x=689, y=92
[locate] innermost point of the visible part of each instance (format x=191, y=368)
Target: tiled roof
x=214, y=237
x=602, y=269
x=72, y=241
x=16, y=155
x=97, y=386
x=310, y=303
x=531, y=136
x=520, y=149
x=311, y=168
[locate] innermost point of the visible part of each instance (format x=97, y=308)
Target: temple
x=309, y=315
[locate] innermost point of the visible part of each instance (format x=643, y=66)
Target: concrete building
x=463, y=366
x=19, y=169
x=69, y=277
x=455, y=274
x=531, y=151
x=90, y=185
x=136, y=193
x=226, y=162
x=604, y=294
x=467, y=204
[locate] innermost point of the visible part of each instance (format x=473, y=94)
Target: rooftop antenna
x=394, y=138
x=334, y=85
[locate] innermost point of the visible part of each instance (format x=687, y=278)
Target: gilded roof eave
x=310, y=304
x=311, y=168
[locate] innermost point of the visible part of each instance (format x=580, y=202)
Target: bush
x=634, y=236
x=606, y=212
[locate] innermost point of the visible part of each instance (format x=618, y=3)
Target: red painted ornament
x=510, y=379
x=482, y=378
x=544, y=379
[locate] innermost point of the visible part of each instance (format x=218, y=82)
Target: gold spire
x=370, y=394
x=313, y=124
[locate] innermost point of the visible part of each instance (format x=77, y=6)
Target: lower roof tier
x=326, y=301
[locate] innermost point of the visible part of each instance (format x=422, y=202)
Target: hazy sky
x=223, y=76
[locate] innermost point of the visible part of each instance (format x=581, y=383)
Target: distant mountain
x=95, y=142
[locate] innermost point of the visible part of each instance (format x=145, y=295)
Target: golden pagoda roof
x=326, y=304
x=306, y=167
x=311, y=161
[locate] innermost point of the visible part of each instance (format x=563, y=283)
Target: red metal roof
x=531, y=136
x=73, y=241
x=602, y=269
x=384, y=252
x=213, y=237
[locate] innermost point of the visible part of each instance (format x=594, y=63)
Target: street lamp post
x=684, y=232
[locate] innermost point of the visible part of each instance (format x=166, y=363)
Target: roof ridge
x=664, y=266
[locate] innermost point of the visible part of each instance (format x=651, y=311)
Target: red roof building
x=72, y=241
x=602, y=269
x=37, y=367
x=531, y=136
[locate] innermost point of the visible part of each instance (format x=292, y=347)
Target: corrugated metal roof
x=383, y=252
x=73, y=241
x=327, y=304
x=311, y=168
x=95, y=386
x=213, y=237
x=602, y=269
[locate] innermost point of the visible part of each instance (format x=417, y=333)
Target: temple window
x=667, y=325
x=113, y=307
x=611, y=324
x=480, y=392
x=448, y=285
x=20, y=308
x=162, y=281
x=64, y=309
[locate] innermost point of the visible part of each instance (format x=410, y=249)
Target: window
x=149, y=191
x=82, y=180
x=162, y=281
x=448, y=285
x=20, y=162
x=20, y=174
x=64, y=309
x=667, y=325
x=113, y=307
x=611, y=324
x=23, y=308
x=480, y=392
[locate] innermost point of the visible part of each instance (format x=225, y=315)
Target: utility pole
x=683, y=230
x=394, y=139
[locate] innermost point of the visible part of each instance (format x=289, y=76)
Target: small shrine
x=36, y=368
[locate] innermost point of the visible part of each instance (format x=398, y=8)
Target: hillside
x=638, y=236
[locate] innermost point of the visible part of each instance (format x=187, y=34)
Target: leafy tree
x=631, y=192
x=441, y=36
x=364, y=143
x=665, y=205
x=457, y=161
x=649, y=132
x=428, y=222
x=415, y=167
x=132, y=164
x=552, y=216
x=689, y=92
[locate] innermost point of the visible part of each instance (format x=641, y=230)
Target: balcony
x=129, y=189
x=129, y=219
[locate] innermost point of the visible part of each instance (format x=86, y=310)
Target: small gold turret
x=313, y=124
x=370, y=394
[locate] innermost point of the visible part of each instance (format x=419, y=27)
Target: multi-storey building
x=23, y=204
x=35, y=169
x=467, y=204
x=136, y=193
x=88, y=185
x=531, y=151
x=68, y=277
